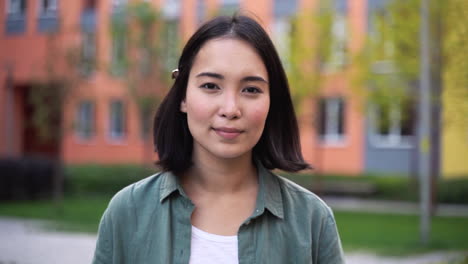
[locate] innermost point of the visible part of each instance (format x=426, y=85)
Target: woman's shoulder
x=132, y=194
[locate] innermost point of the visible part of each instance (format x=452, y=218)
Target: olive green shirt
x=149, y=222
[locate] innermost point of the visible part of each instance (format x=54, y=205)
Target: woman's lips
x=227, y=132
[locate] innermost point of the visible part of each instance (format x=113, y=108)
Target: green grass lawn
x=386, y=234
x=80, y=214
x=391, y=234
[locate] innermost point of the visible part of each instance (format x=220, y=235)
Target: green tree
x=139, y=54
x=387, y=68
x=310, y=42
x=454, y=27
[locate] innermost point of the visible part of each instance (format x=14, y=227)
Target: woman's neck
x=218, y=175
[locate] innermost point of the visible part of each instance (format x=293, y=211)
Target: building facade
x=100, y=121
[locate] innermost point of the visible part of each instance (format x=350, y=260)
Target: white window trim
x=51, y=9
x=392, y=140
x=340, y=34
x=282, y=39
x=331, y=134
x=8, y=8
x=171, y=9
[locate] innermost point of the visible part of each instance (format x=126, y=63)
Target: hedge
x=109, y=179
x=100, y=179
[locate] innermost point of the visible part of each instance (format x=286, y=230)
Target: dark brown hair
x=278, y=147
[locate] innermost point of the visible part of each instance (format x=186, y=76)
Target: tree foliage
x=136, y=30
x=387, y=68
x=455, y=56
x=310, y=42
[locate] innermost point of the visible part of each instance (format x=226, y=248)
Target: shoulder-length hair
x=278, y=147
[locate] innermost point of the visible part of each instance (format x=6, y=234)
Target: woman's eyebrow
x=221, y=77
x=211, y=74
x=254, y=79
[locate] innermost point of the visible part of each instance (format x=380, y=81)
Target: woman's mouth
x=228, y=132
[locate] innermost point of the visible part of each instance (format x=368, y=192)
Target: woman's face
x=227, y=99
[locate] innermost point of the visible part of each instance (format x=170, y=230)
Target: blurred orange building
x=100, y=121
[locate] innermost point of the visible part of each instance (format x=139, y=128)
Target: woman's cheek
x=260, y=112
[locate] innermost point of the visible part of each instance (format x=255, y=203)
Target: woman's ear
x=183, y=106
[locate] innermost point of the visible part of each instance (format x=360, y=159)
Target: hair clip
x=175, y=73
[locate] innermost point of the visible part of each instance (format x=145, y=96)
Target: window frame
x=395, y=137
x=51, y=10
x=17, y=13
x=330, y=116
x=88, y=53
x=85, y=128
x=113, y=135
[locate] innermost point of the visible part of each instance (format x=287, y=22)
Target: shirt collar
x=269, y=192
x=169, y=185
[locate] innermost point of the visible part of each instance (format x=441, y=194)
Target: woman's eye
x=253, y=90
x=209, y=86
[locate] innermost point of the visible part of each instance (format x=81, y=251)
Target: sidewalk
x=397, y=207
x=25, y=242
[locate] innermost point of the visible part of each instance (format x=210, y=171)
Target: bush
x=386, y=187
x=27, y=178
x=453, y=191
x=109, y=179
x=103, y=179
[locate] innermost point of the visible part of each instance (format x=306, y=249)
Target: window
x=382, y=48
x=16, y=7
x=331, y=123
x=88, y=53
x=281, y=36
x=392, y=126
x=117, y=120
x=118, y=56
x=47, y=20
x=171, y=44
x=170, y=35
x=339, y=37
x=85, y=120
x=200, y=11
x=284, y=11
x=89, y=5
x=171, y=9
x=285, y=8
x=16, y=19
x=88, y=17
x=48, y=6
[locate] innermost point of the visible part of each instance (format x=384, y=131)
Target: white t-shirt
x=209, y=248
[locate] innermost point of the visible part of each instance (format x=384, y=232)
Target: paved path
x=25, y=242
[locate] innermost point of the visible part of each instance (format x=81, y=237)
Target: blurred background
x=380, y=89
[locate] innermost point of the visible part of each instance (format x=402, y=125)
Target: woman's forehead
x=229, y=56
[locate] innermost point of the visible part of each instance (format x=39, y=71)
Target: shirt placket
x=182, y=230
x=247, y=239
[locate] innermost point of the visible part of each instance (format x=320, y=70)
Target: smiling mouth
x=228, y=133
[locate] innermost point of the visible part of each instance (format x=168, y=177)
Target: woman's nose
x=229, y=107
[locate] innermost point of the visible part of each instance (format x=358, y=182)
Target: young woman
x=227, y=121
